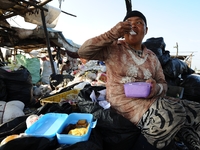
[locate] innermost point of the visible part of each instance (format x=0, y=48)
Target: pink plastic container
x=137, y=89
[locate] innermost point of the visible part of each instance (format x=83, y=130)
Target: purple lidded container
x=137, y=89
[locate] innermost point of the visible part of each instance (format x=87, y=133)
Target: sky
x=177, y=21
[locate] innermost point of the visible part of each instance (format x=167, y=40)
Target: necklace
x=137, y=52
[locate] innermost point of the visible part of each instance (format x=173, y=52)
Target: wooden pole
x=48, y=42
x=128, y=6
x=176, y=49
x=1, y=55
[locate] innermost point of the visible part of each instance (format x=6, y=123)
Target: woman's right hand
x=122, y=28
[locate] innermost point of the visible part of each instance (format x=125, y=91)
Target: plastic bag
x=157, y=45
x=33, y=66
x=191, y=84
x=18, y=85
x=3, y=91
x=116, y=131
x=176, y=67
x=30, y=143
x=164, y=58
x=15, y=126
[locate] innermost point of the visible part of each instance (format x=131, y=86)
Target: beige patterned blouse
x=124, y=65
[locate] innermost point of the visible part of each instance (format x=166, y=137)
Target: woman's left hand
x=154, y=87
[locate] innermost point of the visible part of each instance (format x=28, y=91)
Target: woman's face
x=139, y=27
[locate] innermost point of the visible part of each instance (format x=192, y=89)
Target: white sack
x=13, y=109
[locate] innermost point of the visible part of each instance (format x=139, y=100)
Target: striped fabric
x=165, y=118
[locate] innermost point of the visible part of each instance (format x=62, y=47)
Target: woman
x=128, y=60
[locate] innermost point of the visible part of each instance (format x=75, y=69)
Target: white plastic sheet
x=51, y=17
